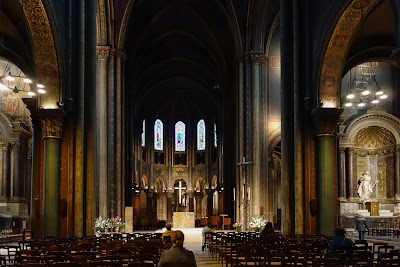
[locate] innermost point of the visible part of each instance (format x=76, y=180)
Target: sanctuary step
x=386, y=213
x=364, y=213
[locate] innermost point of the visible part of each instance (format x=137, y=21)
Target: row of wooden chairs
x=301, y=250
x=141, y=249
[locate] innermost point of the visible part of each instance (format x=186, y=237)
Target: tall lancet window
x=180, y=136
x=158, y=135
x=144, y=133
x=215, y=136
x=201, y=135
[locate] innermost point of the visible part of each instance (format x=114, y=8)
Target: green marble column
x=325, y=121
x=51, y=129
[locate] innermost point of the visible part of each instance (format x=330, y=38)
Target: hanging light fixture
x=363, y=89
x=13, y=79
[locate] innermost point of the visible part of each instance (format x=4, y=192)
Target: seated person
x=177, y=255
x=268, y=229
x=341, y=242
x=167, y=236
x=207, y=229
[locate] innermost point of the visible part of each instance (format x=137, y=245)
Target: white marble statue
x=365, y=187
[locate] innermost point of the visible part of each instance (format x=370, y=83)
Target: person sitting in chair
x=167, y=236
x=177, y=255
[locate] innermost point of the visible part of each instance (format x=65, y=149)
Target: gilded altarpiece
x=369, y=143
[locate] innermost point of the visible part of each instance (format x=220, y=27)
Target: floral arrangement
x=236, y=225
x=117, y=222
x=101, y=224
x=257, y=223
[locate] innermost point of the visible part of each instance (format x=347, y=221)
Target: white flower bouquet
x=257, y=224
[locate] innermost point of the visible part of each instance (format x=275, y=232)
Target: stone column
x=5, y=171
x=136, y=207
x=325, y=121
x=350, y=181
x=342, y=174
x=210, y=198
x=191, y=200
x=199, y=199
x=397, y=175
x=51, y=133
x=17, y=182
x=170, y=195
x=102, y=130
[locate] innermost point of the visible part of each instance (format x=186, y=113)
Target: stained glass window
x=201, y=135
x=144, y=133
x=180, y=136
x=158, y=135
x=215, y=135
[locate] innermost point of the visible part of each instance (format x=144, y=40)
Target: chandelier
x=363, y=90
x=12, y=78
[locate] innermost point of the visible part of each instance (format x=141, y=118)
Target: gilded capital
x=3, y=146
x=52, y=127
x=325, y=120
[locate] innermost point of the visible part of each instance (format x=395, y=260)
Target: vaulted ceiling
x=180, y=57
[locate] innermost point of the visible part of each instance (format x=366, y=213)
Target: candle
x=234, y=194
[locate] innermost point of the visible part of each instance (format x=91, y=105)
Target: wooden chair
x=214, y=221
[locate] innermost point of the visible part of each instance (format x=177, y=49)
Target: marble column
x=325, y=121
x=136, y=207
x=170, y=195
x=51, y=133
x=5, y=171
x=342, y=174
x=191, y=200
x=397, y=175
x=350, y=182
x=102, y=130
x=17, y=182
x=210, y=201
x=199, y=200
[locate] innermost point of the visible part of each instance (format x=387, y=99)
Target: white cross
x=244, y=162
x=180, y=188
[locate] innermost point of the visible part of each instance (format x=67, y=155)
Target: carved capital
x=325, y=120
x=190, y=193
x=170, y=193
x=16, y=146
x=4, y=146
x=52, y=127
x=103, y=52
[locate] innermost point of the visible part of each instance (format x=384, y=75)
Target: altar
x=183, y=220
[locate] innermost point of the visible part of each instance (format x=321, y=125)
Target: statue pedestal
x=373, y=208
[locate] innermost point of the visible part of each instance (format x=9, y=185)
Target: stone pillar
x=191, y=200
x=17, y=182
x=325, y=121
x=199, y=199
x=170, y=195
x=350, y=182
x=5, y=171
x=397, y=175
x=102, y=131
x=51, y=133
x=342, y=174
x=151, y=206
x=210, y=201
x=136, y=207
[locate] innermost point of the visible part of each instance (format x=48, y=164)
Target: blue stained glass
x=180, y=132
x=158, y=135
x=215, y=136
x=201, y=135
x=144, y=133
